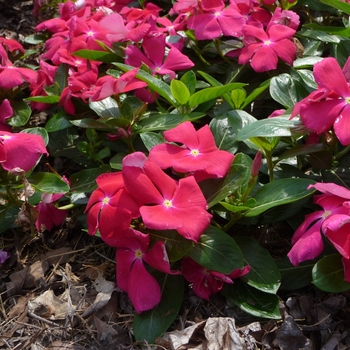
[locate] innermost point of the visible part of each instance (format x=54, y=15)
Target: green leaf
x=8, y=217
x=58, y=121
x=329, y=29
x=190, y=80
x=48, y=183
x=285, y=90
x=279, y=192
x=107, y=107
x=44, y=99
x=21, y=114
x=179, y=91
x=270, y=127
x=35, y=39
x=85, y=180
x=211, y=93
x=308, y=61
x=95, y=55
x=253, y=301
x=215, y=190
x=264, y=274
x=217, y=251
x=342, y=6
x=226, y=127
x=155, y=84
x=238, y=97
x=319, y=35
x=116, y=161
x=294, y=277
x=213, y=82
x=151, y=139
x=328, y=274
x=153, y=323
x=167, y=121
x=302, y=150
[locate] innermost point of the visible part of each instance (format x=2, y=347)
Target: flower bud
x=256, y=164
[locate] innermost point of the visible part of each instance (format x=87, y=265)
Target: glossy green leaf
x=44, y=99
x=107, y=107
x=264, y=274
x=213, y=82
x=167, y=121
x=300, y=150
x=285, y=90
x=153, y=323
x=21, y=114
x=95, y=55
x=211, y=93
x=85, y=180
x=238, y=97
x=329, y=29
x=271, y=127
x=217, y=251
x=151, y=139
x=342, y=6
x=279, y=192
x=253, y=301
x=328, y=274
x=179, y=91
x=215, y=190
x=190, y=80
x=294, y=277
x=58, y=121
x=267, y=144
x=155, y=84
x=116, y=161
x=48, y=183
x=226, y=127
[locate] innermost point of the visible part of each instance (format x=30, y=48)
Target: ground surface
x=57, y=290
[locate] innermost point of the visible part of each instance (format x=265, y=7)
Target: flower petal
x=143, y=290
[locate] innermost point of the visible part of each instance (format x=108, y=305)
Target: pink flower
x=12, y=76
x=327, y=106
x=108, y=85
x=109, y=204
x=164, y=203
x=307, y=240
x=207, y=282
x=153, y=56
x=132, y=275
x=262, y=49
x=6, y=112
x=29, y=146
x=198, y=154
x=215, y=21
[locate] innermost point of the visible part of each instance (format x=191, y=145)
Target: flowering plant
x=189, y=127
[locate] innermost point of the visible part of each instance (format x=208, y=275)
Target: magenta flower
x=262, y=49
x=12, y=76
x=307, y=240
x=215, y=21
x=164, y=203
x=29, y=146
x=109, y=204
x=198, y=153
x=153, y=56
x=329, y=105
x=207, y=282
x=108, y=85
x=6, y=112
x=132, y=275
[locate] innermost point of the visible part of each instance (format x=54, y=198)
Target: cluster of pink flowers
x=333, y=221
x=143, y=195
x=155, y=41
x=328, y=106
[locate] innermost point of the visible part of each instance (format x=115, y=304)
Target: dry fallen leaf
x=49, y=306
